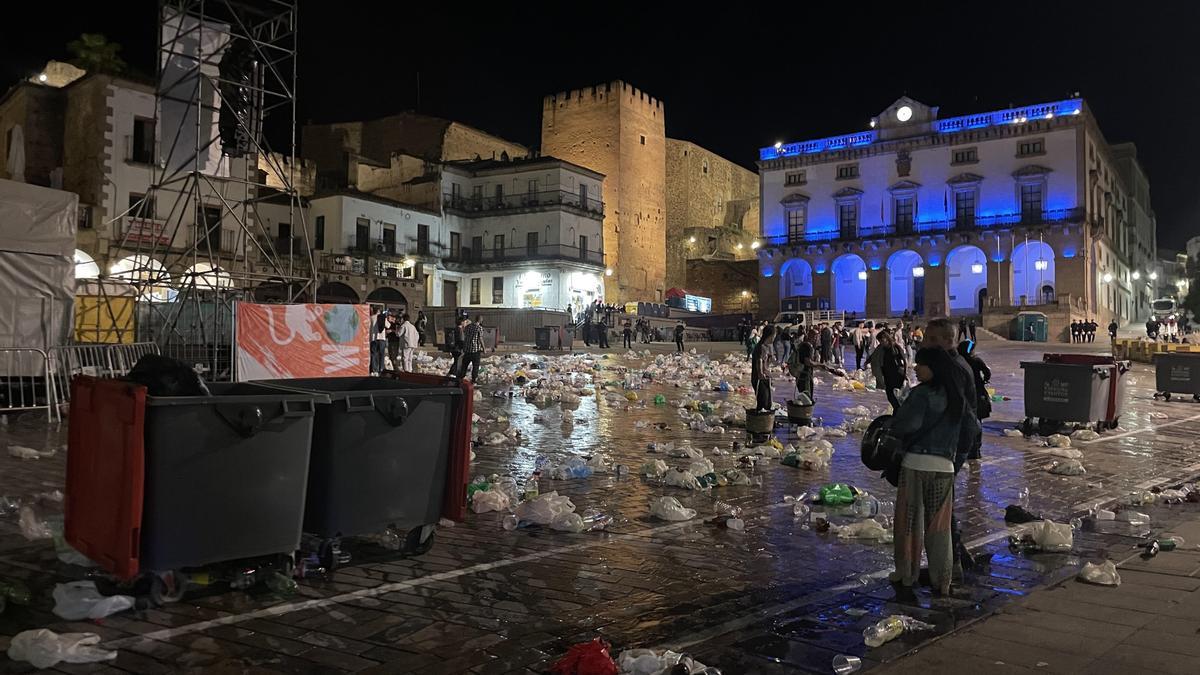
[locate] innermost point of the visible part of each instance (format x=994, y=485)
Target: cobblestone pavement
x=775, y=598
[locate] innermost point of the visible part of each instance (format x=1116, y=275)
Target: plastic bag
x=567, y=522
x=1053, y=537
x=686, y=451
x=1058, y=441
x=44, y=648
x=700, y=467
x=599, y=462
x=545, y=508
x=1013, y=433
x=80, y=600
x=1133, y=517
x=805, y=432
x=833, y=432
x=857, y=411
x=22, y=452
x=1103, y=574
x=496, y=438
x=1085, y=435
x=586, y=658
x=1068, y=467
x=491, y=500
x=1068, y=453
x=33, y=527
x=682, y=479
x=669, y=508
x=654, y=662
x=835, y=494
x=654, y=469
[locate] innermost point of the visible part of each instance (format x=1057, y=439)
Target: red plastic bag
x=586, y=658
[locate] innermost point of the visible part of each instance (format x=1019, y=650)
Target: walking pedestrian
x=931, y=421
x=1112, y=330
x=760, y=377
x=679, y=337
x=472, y=349
x=409, y=340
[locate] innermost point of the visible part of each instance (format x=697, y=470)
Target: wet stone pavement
x=777, y=597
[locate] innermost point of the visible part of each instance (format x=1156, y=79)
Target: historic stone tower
x=617, y=130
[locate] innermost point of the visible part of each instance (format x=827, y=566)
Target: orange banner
x=305, y=340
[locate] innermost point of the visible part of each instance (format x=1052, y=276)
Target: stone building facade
x=712, y=213
x=987, y=214
x=618, y=131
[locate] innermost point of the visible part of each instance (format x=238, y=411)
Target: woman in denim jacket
x=928, y=420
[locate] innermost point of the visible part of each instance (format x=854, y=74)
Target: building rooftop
x=367, y=196
x=494, y=165
x=1073, y=106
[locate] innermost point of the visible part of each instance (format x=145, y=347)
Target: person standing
x=838, y=334
x=962, y=329
x=679, y=337
x=602, y=332
x=457, y=346
x=752, y=341
x=409, y=340
x=760, y=377
x=422, y=326
x=393, y=342
x=1092, y=326
x=587, y=329
x=930, y=420
x=472, y=349
x=826, y=343
x=1112, y=330
x=570, y=316
x=983, y=402
x=971, y=329
x=892, y=368
x=627, y=333
x=1074, y=332
x=862, y=340
x=378, y=340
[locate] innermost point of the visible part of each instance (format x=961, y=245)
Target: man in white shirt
x=409, y=338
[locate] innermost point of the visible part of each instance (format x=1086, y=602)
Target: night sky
x=733, y=83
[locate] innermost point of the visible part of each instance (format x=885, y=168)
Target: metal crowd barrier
x=123, y=357
x=28, y=382
x=67, y=361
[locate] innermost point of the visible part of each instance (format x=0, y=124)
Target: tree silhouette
x=95, y=54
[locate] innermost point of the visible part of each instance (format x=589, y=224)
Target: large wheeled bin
x=164, y=483
x=1073, y=388
x=388, y=453
x=1177, y=373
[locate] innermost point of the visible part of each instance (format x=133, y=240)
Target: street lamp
x=1107, y=277
x=1136, y=275
x=1154, y=276
x=608, y=272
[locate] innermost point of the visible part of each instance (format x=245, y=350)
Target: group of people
x=394, y=339
x=1169, y=330
x=938, y=420
x=1084, y=331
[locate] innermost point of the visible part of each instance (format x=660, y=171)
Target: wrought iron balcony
x=467, y=256
x=486, y=206
x=1051, y=217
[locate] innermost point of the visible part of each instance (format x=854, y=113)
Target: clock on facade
x=904, y=113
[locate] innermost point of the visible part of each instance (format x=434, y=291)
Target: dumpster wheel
x=1166, y=396
x=419, y=540
x=167, y=587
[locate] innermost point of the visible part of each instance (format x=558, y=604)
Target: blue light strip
x=1028, y=113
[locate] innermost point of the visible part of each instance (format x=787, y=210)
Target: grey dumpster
x=1177, y=373
x=1066, y=392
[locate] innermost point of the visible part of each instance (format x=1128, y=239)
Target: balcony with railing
x=488, y=256
x=367, y=265
x=1050, y=217
x=490, y=206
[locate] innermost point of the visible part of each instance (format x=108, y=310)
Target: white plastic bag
x=33, y=527
x=864, y=529
x=651, y=662
x=1058, y=441
x=567, y=522
x=1085, y=435
x=496, y=438
x=1133, y=517
x=1053, y=537
x=669, y=508
x=1103, y=574
x=44, y=648
x=1068, y=467
x=490, y=500
x=805, y=432
x=78, y=600
x=1068, y=453
x=22, y=452
x=654, y=469
x=833, y=432
x=545, y=508
x=700, y=467
x=599, y=462
x=1013, y=433
x=857, y=411
x=682, y=479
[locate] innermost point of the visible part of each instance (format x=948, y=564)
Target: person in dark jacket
x=929, y=421
x=892, y=368
x=983, y=402
x=679, y=337
x=422, y=324
x=627, y=333
x=458, y=345
x=760, y=362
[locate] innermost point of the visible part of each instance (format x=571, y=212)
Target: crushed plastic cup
x=844, y=665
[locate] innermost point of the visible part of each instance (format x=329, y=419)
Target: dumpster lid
x=338, y=388
x=238, y=392
x=106, y=472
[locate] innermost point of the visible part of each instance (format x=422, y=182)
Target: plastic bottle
x=736, y=524
x=280, y=584
x=596, y=521
x=725, y=509
x=510, y=522
x=883, y=631
x=1023, y=498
